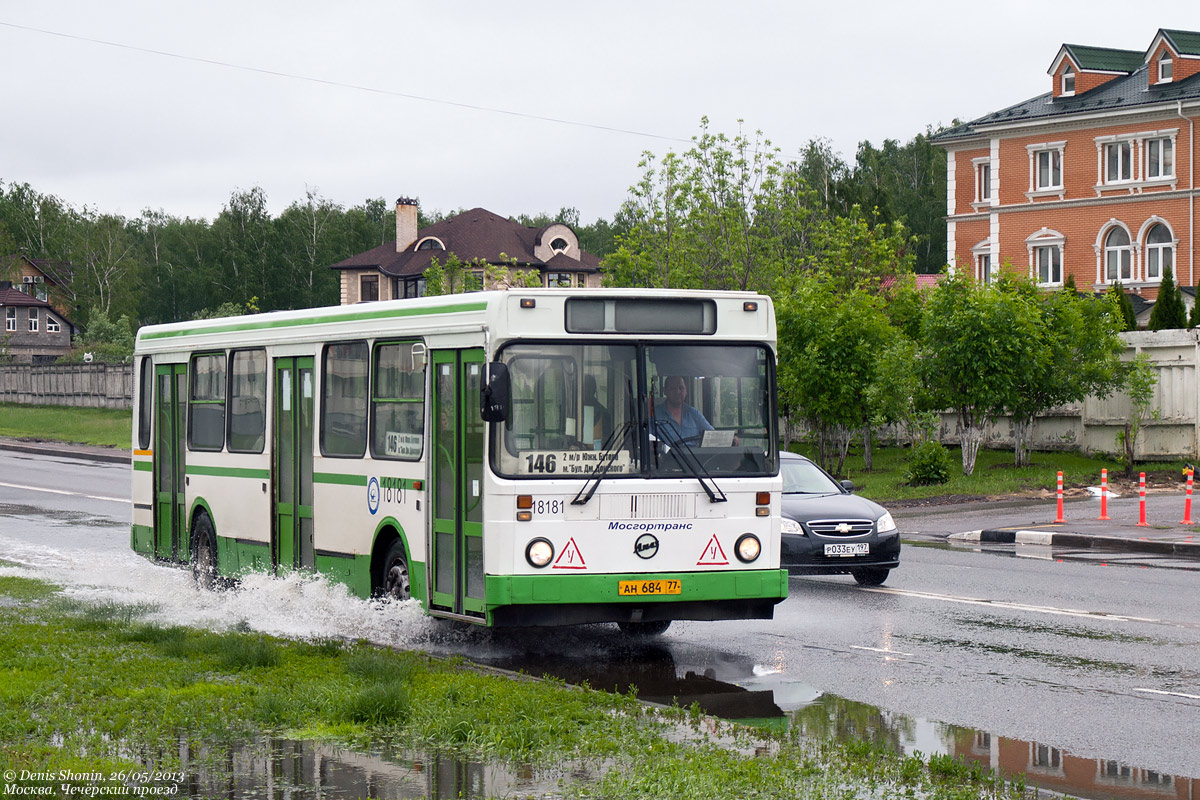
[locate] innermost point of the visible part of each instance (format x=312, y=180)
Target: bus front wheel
x=644, y=628
x=395, y=584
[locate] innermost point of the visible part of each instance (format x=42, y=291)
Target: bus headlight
x=748, y=548
x=539, y=552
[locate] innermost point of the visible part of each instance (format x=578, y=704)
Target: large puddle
x=720, y=684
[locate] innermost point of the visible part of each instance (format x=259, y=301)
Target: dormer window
x=1165, y=67
x=1068, y=81
x=431, y=244
x=560, y=245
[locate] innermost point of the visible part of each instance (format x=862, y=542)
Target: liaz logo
x=646, y=546
x=373, y=495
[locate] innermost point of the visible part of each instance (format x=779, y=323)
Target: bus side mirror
x=495, y=394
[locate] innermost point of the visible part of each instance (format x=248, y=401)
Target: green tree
x=1194, y=317
x=1140, y=379
x=107, y=340
x=977, y=346
x=1169, y=312
x=1119, y=299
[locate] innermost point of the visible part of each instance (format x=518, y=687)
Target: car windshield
x=805, y=477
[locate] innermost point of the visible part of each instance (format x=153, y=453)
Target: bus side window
x=398, y=402
x=247, y=401
x=206, y=411
x=344, y=400
x=145, y=402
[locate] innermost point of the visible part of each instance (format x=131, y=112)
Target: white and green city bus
x=509, y=458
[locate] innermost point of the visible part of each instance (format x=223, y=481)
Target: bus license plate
x=857, y=549
x=643, y=588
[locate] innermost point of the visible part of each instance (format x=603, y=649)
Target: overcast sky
x=116, y=127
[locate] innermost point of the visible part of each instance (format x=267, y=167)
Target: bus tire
x=204, y=553
x=644, y=628
x=394, y=583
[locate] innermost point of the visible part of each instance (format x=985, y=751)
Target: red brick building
x=1093, y=179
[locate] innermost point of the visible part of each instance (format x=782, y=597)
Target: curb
x=1050, y=538
x=67, y=451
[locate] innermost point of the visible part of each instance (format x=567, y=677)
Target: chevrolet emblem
x=843, y=527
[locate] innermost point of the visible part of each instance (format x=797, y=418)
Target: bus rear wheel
x=395, y=584
x=204, y=554
x=644, y=628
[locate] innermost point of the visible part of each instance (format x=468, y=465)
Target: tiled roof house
x=396, y=269
x=33, y=295
x=1093, y=179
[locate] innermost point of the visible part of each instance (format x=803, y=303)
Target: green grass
x=994, y=473
x=99, y=426
x=98, y=689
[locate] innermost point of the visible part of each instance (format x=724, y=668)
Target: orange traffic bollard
x=1059, y=518
x=1187, y=504
x=1103, y=494
x=1142, y=501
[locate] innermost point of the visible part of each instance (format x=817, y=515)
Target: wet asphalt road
x=1091, y=656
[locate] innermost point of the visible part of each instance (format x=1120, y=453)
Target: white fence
x=1092, y=426
x=91, y=385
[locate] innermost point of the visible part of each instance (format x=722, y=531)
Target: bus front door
x=170, y=503
x=456, y=562
x=292, y=531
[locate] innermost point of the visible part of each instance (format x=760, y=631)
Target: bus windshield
x=637, y=410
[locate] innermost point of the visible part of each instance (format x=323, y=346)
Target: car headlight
x=539, y=552
x=885, y=524
x=748, y=548
x=790, y=526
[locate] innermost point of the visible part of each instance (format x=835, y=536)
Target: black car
x=828, y=530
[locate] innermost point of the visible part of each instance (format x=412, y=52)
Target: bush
x=929, y=464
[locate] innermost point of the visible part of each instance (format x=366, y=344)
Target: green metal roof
x=1105, y=59
x=1186, y=43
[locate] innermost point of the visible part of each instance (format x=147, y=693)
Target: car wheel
x=870, y=576
x=395, y=584
x=644, y=628
x=204, y=554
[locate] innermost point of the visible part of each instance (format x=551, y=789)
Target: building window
x=1045, y=166
x=983, y=181
x=1160, y=252
x=413, y=287
x=1048, y=264
x=1118, y=162
x=368, y=288
x=559, y=245
x=983, y=268
x=52, y=325
x=1068, y=81
x=431, y=244
x=1165, y=67
x=1118, y=256
x=560, y=280
x=33, y=320
x=10, y=319
x=1160, y=158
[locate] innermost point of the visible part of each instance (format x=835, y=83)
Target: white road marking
x=63, y=491
x=1169, y=694
x=976, y=601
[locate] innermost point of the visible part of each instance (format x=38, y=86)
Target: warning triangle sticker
x=570, y=557
x=714, y=555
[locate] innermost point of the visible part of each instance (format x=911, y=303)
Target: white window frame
x=1040, y=244
x=1054, y=151
x=10, y=319
x=52, y=325
x=1123, y=148
x=1167, y=61
x=1146, y=248
x=33, y=320
x=1123, y=254
x=1068, y=74
x=984, y=269
x=1161, y=139
x=984, y=183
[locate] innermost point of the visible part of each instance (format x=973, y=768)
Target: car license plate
x=856, y=549
x=643, y=588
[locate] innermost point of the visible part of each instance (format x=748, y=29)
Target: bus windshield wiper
x=607, y=456
x=691, y=464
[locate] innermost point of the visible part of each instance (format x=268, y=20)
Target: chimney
x=406, y=223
